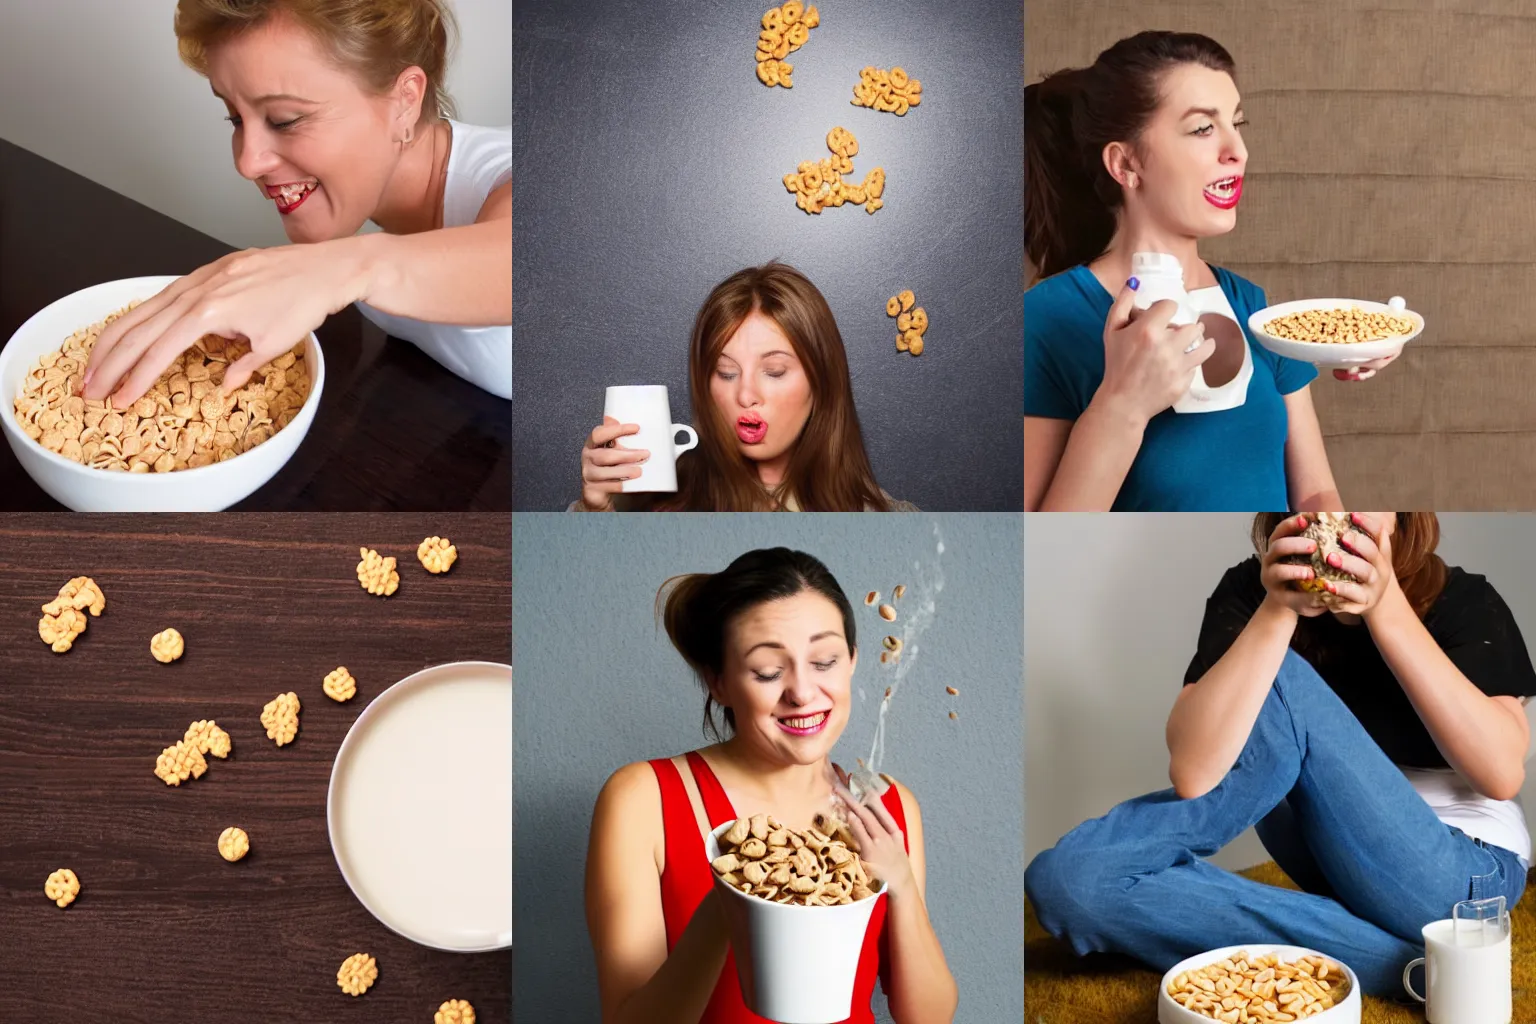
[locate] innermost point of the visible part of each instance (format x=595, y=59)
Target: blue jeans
x=1338, y=817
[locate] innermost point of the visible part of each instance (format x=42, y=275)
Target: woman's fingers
x=591, y=472
x=1350, y=593
x=1288, y=527
x=1371, y=523
x=107, y=366
x=611, y=430
x=1120, y=312
x=1357, y=567
x=1287, y=546
x=1359, y=542
x=1287, y=572
x=240, y=371
x=616, y=456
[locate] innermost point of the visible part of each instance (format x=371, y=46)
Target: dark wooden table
x=164, y=929
x=395, y=431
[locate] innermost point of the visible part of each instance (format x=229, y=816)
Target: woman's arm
x=638, y=982
x=922, y=989
x=1079, y=465
x=448, y=276
x=1482, y=737
x=1211, y=719
x=1309, y=477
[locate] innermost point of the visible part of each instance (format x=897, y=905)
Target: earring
x=410, y=133
x=1130, y=181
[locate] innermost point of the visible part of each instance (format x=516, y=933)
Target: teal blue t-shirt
x=1229, y=461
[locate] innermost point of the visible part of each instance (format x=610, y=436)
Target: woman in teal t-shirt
x=1142, y=152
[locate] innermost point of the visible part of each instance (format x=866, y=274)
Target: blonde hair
x=375, y=40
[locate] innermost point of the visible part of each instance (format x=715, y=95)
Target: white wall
x=96, y=85
x=1112, y=609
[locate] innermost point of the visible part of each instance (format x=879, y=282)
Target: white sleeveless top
x=479, y=162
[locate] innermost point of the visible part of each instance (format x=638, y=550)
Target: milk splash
x=915, y=612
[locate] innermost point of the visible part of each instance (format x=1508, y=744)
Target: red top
x=688, y=877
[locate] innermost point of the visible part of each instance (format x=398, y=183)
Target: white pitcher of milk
x=1467, y=966
x=1160, y=276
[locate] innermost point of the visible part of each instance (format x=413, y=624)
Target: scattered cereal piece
x=892, y=644
x=62, y=887
x=377, y=574
x=911, y=324
x=907, y=299
x=951, y=691
x=358, y=973
x=915, y=346
x=953, y=715
x=809, y=868
x=64, y=617
x=234, y=844
x=208, y=738
x=179, y=762
x=454, y=1011
x=340, y=685
x=785, y=30
x=436, y=554
x=182, y=422
x=888, y=613
x=166, y=646
x=820, y=184
x=892, y=306
x=892, y=92
x=281, y=717
x=872, y=597
x=900, y=591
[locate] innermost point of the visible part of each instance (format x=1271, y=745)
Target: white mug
x=1463, y=984
x=646, y=405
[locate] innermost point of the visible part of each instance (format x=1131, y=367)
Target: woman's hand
x=881, y=843
x=1147, y=364
x=1364, y=371
x=270, y=297
x=605, y=466
x=1279, y=576
x=1369, y=561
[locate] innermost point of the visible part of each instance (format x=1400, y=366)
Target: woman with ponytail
x=771, y=639
x=1142, y=151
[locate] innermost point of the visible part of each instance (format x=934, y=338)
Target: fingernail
x=1311, y=548
x=1335, y=561
x=1301, y=520
x=1132, y=284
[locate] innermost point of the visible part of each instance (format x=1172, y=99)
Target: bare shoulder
x=497, y=205
x=908, y=799
x=632, y=785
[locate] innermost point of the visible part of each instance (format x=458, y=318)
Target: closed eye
x=768, y=678
x=824, y=665
x=280, y=126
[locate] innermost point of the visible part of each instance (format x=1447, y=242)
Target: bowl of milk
x=420, y=807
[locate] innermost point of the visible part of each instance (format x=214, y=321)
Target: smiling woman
x=769, y=386
x=339, y=118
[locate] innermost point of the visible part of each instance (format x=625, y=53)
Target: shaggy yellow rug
x=1062, y=988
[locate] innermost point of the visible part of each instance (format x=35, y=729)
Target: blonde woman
x=339, y=117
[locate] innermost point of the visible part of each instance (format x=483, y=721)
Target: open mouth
x=291, y=196
x=805, y=725
x=1225, y=193
x=751, y=428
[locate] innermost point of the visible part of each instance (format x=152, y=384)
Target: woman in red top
x=772, y=640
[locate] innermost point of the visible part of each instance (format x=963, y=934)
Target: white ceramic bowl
x=1170, y=1012
x=419, y=809
x=796, y=965
x=1339, y=355
x=83, y=489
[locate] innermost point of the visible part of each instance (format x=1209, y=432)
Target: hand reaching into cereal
x=271, y=297
x=880, y=842
x=605, y=465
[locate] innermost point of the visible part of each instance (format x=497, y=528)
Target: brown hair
x=829, y=470
x=1420, y=572
x=1070, y=200
x=698, y=608
x=374, y=40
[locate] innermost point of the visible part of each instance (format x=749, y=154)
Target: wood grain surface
x=394, y=431
x=164, y=929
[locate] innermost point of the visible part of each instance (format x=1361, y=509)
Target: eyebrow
x=779, y=647
x=269, y=96
x=1210, y=112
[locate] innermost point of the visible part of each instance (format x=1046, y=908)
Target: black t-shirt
x=1470, y=622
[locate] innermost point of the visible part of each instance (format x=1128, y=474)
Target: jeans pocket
x=1490, y=883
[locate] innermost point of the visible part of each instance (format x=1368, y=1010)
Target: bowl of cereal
x=183, y=447
x=798, y=904
x=1274, y=983
x=1336, y=332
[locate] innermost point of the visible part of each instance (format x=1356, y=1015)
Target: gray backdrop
x=599, y=685
x=649, y=162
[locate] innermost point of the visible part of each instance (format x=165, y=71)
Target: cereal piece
x=436, y=554
x=951, y=691
x=358, y=973
x=953, y=715
x=792, y=10
x=904, y=322
x=164, y=429
x=1339, y=326
x=919, y=320
x=781, y=35
x=208, y=738
x=59, y=631
x=166, y=646
x=900, y=591
x=891, y=92
x=280, y=716
x=872, y=597
x=64, y=618
x=179, y=762
x=820, y=184
x=892, y=306
x=339, y=685
x=62, y=887
x=810, y=868
x=888, y=613
x=901, y=343
x=892, y=644
x=454, y=1011
x=234, y=844
x=376, y=574
x=907, y=300
x=915, y=345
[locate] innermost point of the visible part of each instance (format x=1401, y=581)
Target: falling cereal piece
x=951, y=691
x=888, y=613
x=953, y=715
x=900, y=591
x=62, y=887
x=892, y=644
x=888, y=693
x=872, y=597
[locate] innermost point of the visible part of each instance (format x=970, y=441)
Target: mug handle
x=1407, y=971
x=693, y=439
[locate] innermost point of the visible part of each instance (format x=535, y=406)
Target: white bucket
x=797, y=965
